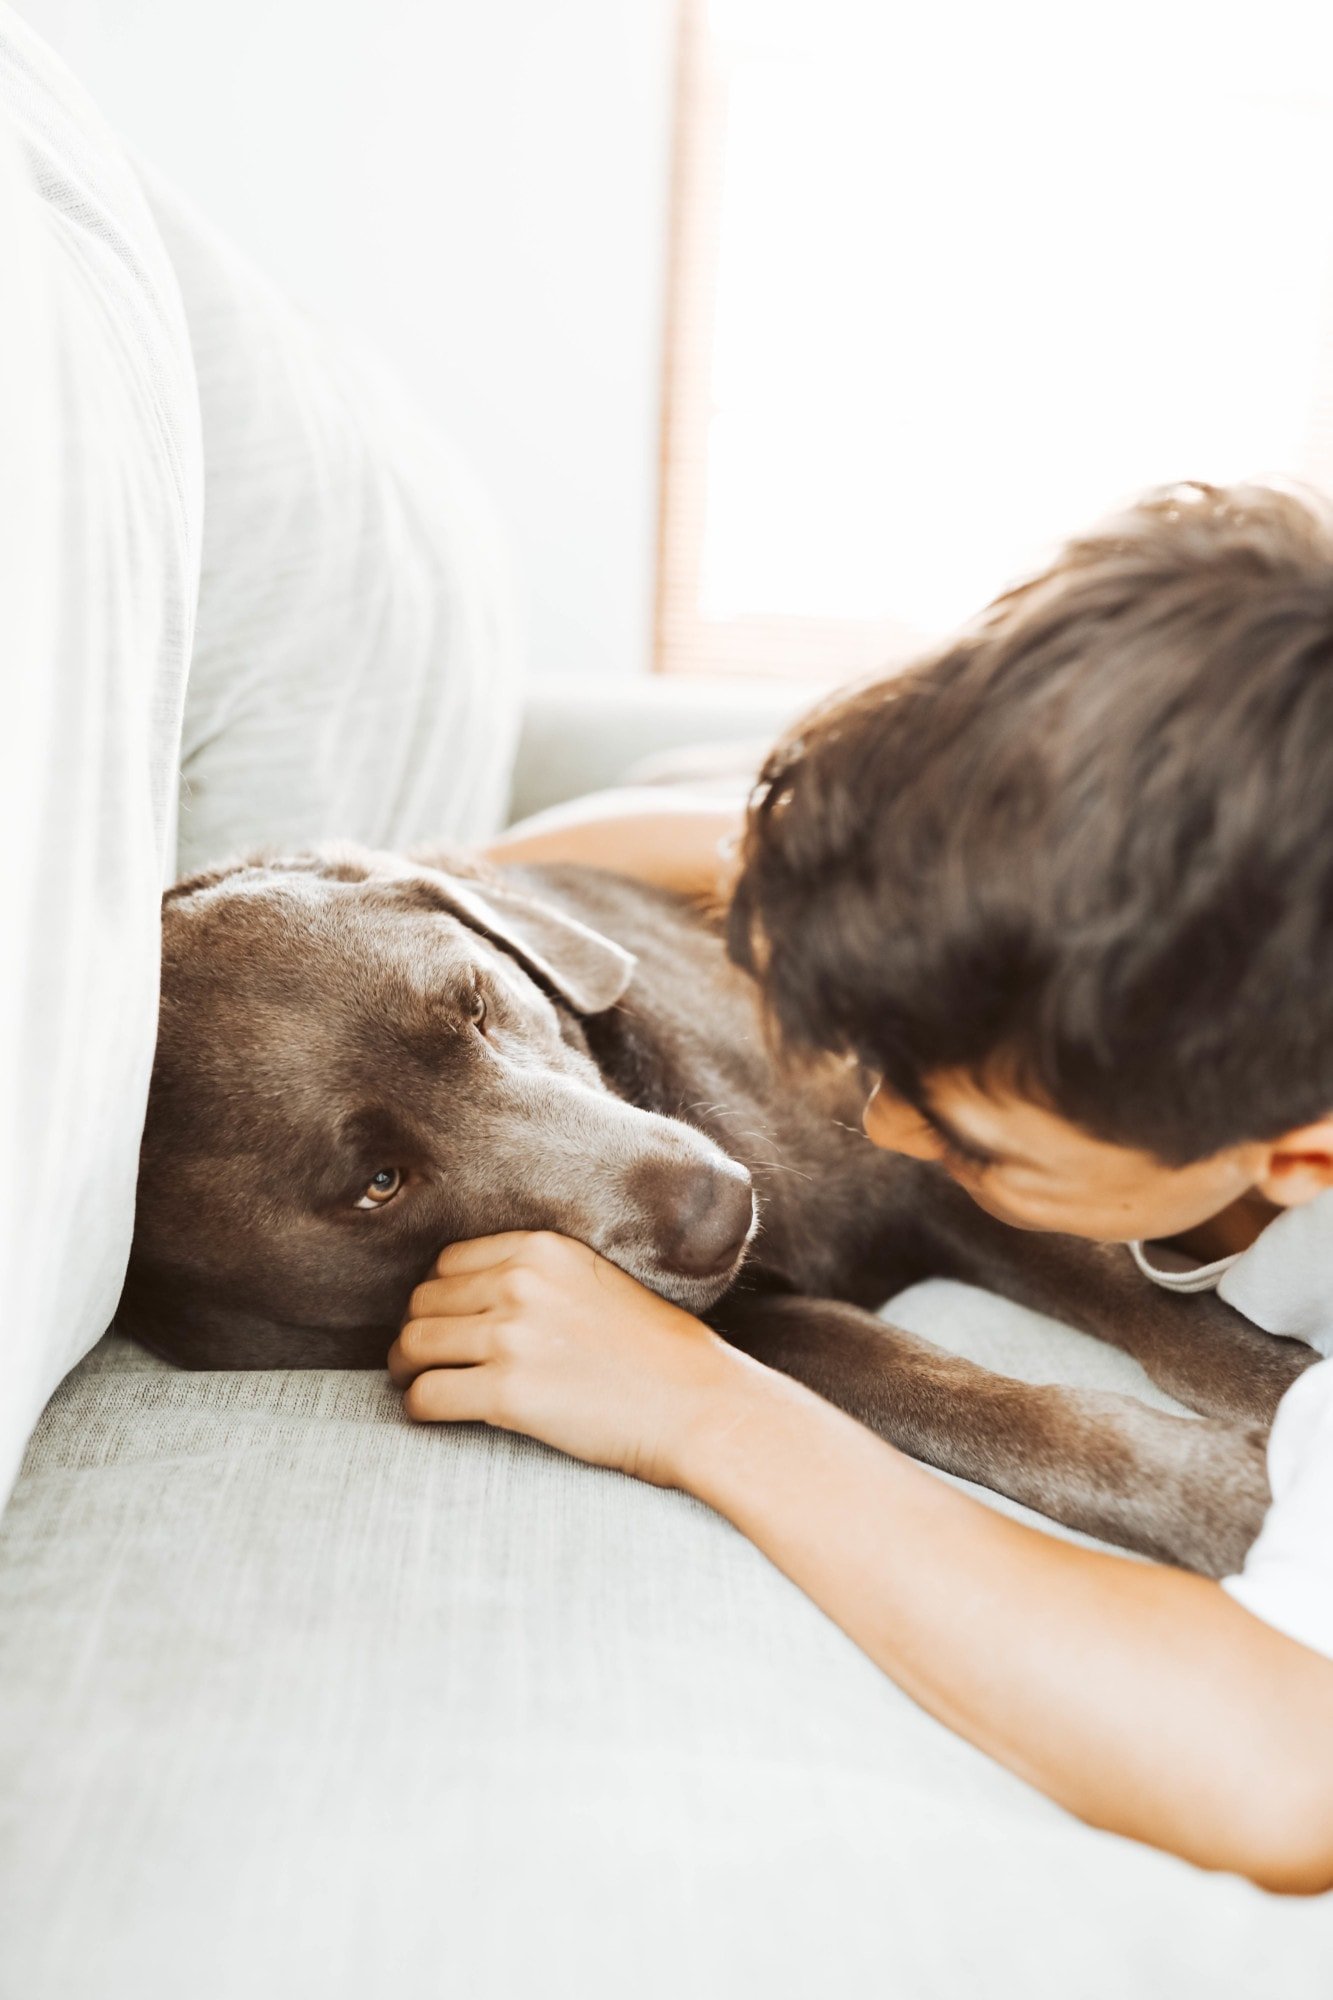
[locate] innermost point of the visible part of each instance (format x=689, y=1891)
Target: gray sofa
x=297, y=1699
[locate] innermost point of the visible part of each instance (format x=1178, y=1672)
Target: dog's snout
x=703, y=1213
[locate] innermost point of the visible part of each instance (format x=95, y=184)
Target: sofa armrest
x=583, y=735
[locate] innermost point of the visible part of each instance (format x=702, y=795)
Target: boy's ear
x=1300, y=1165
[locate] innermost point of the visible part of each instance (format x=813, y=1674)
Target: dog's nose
x=704, y=1216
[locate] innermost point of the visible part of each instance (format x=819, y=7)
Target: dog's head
x=361, y=1059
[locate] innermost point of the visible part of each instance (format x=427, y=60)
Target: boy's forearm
x=1143, y=1699
x=674, y=843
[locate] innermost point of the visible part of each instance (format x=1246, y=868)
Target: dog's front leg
x=1182, y=1490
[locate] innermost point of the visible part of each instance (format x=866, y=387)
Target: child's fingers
x=479, y=1253
x=452, y=1396
x=460, y=1292
x=457, y=1342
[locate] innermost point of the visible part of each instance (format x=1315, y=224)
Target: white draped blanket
x=350, y=643
x=100, y=496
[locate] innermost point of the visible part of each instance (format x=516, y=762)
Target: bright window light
x=982, y=272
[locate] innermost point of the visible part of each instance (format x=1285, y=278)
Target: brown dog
x=362, y=1058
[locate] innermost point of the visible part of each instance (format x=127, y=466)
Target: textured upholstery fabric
x=304, y=1702
x=99, y=527
x=355, y=668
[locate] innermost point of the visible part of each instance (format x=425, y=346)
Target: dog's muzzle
x=697, y=1219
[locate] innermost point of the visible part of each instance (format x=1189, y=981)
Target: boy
x=1067, y=890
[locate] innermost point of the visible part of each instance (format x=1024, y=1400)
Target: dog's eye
x=476, y=1010
x=381, y=1187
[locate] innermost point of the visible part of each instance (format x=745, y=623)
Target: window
x=949, y=281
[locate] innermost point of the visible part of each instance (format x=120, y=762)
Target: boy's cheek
x=1017, y=1214
x=1160, y=1205
x=1069, y=1183
x=1058, y=1211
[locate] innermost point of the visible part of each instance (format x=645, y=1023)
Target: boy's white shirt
x=1284, y=1283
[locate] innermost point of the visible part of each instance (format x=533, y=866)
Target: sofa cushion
x=99, y=525
x=355, y=667
x=303, y=1701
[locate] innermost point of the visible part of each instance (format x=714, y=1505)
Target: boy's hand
x=537, y=1333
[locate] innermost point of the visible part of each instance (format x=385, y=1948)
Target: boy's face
x=1031, y=1168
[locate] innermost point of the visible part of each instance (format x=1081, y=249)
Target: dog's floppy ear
x=191, y=1329
x=582, y=966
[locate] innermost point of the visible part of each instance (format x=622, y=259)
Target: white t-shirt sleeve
x=1287, y=1579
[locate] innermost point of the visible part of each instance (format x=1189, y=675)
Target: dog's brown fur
x=317, y=1025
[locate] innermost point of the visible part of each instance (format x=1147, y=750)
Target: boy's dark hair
x=1087, y=849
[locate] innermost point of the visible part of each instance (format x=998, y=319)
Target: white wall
x=478, y=190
